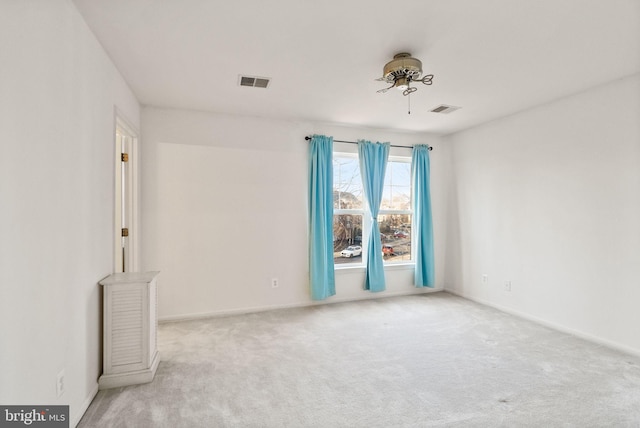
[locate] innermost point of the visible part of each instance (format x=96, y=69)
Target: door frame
x=132, y=191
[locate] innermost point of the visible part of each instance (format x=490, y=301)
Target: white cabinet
x=130, y=342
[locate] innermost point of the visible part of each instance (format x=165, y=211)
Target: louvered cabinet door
x=130, y=329
x=126, y=308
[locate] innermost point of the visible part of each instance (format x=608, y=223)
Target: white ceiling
x=491, y=57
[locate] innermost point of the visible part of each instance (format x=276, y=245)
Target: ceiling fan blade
x=409, y=91
x=427, y=80
x=382, y=91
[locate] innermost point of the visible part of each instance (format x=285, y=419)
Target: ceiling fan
x=401, y=71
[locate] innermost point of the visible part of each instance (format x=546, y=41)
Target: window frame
x=366, y=220
x=382, y=212
x=366, y=223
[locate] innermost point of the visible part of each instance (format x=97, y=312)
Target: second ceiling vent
x=444, y=109
x=253, y=81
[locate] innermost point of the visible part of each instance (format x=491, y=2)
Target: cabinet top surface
x=129, y=277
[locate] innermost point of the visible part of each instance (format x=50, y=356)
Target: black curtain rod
x=355, y=142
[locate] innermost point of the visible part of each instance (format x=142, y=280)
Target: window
x=348, y=203
x=349, y=221
x=394, y=217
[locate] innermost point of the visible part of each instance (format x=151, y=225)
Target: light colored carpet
x=432, y=360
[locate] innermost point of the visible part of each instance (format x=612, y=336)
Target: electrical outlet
x=60, y=383
x=507, y=286
x=485, y=278
x=274, y=283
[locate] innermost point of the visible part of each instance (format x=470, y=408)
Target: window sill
x=387, y=267
x=346, y=268
x=400, y=266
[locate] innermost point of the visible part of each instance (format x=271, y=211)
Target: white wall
x=549, y=199
x=224, y=210
x=58, y=90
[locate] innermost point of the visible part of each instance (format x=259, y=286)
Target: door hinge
x=125, y=231
x=124, y=157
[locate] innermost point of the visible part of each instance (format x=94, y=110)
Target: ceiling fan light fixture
x=401, y=71
x=402, y=65
x=402, y=84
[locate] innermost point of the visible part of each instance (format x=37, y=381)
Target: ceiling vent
x=444, y=109
x=253, y=81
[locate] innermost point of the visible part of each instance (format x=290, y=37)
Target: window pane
x=395, y=231
x=397, y=187
x=347, y=183
x=347, y=239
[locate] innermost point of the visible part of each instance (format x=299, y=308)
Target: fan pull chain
x=409, y=103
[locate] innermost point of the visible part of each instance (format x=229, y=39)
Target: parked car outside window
x=400, y=234
x=352, y=251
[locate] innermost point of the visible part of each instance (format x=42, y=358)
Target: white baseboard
x=250, y=310
x=75, y=419
x=586, y=336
